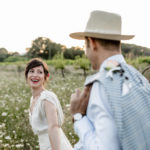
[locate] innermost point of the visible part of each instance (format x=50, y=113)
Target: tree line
x=45, y=48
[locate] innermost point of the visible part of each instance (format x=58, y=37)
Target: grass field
x=15, y=131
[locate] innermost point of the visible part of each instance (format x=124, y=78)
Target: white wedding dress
x=39, y=123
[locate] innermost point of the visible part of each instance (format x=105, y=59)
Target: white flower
x=8, y=138
x=1, y=126
x=17, y=108
x=26, y=111
x=6, y=145
x=4, y=114
x=14, y=131
x=19, y=145
x=67, y=105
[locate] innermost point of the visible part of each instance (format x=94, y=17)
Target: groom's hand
x=79, y=100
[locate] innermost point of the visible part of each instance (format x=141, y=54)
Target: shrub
x=82, y=63
x=15, y=58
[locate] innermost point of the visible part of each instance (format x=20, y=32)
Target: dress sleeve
x=51, y=97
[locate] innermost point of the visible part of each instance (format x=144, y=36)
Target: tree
x=132, y=50
x=72, y=52
x=3, y=54
x=59, y=63
x=14, y=54
x=82, y=63
x=44, y=48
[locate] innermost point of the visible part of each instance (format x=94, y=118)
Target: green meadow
x=15, y=131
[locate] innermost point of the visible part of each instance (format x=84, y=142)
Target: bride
x=45, y=115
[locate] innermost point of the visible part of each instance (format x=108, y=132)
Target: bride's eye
x=31, y=71
x=40, y=72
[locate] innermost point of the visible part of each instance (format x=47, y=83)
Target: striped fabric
x=131, y=111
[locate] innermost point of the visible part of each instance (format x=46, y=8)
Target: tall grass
x=15, y=131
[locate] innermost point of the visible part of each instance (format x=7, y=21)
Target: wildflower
x=19, y=145
x=26, y=111
x=4, y=114
x=14, y=131
x=67, y=105
x=6, y=145
x=2, y=125
x=8, y=138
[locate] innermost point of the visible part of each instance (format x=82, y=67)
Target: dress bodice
x=38, y=118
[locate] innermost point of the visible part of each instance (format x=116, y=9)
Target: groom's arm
x=98, y=133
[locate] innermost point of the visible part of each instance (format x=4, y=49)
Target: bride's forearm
x=54, y=137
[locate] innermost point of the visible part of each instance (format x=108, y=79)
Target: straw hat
x=103, y=25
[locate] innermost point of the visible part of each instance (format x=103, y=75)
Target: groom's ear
x=93, y=43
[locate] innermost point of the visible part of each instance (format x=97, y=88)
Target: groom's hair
x=107, y=44
x=35, y=62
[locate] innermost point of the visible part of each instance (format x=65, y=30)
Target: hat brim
x=82, y=35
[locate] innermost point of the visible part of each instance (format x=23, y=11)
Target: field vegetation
x=68, y=68
x=15, y=131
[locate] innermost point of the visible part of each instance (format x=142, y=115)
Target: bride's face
x=35, y=77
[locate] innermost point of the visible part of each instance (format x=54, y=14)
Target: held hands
x=79, y=100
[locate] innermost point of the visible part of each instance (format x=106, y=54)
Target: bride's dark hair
x=35, y=62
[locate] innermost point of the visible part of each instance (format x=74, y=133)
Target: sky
x=22, y=21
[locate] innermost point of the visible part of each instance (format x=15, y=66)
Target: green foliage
x=72, y=52
x=15, y=130
x=44, y=48
x=139, y=63
x=82, y=63
x=15, y=58
x=3, y=54
x=59, y=63
x=132, y=50
x=9, y=57
x=144, y=60
x=14, y=123
x=66, y=62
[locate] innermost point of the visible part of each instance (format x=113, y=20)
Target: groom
x=113, y=110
